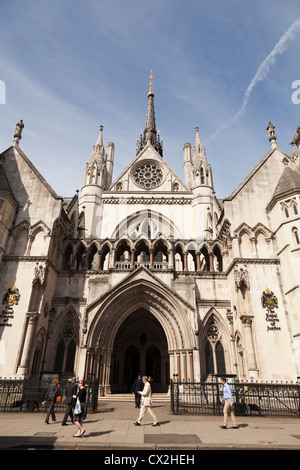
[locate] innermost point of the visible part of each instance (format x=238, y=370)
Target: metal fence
x=29, y=396
x=250, y=398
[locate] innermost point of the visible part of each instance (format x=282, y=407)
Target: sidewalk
x=112, y=429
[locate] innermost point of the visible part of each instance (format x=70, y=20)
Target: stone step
x=130, y=397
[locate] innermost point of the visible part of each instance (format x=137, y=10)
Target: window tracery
x=148, y=176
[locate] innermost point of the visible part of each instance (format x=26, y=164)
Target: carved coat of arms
x=11, y=297
x=269, y=300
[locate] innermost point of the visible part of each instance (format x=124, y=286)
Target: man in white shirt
x=228, y=404
x=146, y=395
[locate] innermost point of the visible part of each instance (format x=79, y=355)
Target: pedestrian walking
x=146, y=394
x=79, y=408
x=137, y=387
x=52, y=393
x=228, y=405
x=70, y=392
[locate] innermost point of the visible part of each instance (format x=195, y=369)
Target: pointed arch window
x=202, y=175
x=214, y=352
x=59, y=358
x=296, y=236
x=286, y=211
x=66, y=349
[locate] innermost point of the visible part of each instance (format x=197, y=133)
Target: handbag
x=58, y=399
x=77, y=409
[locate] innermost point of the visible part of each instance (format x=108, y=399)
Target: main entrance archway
x=140, y=346
x=140, y=325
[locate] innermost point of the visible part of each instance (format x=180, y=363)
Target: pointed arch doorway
x=140, y=346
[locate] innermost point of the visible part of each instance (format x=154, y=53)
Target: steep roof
x=288, y=184
x=4, y=183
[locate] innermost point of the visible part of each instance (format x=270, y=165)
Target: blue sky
x=69, y=66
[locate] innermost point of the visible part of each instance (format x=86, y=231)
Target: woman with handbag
x=52, y=393
x=78, y=411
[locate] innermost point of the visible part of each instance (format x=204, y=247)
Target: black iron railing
x=250, y=398
x=29, y=396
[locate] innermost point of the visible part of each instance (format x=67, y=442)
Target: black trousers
x=137, y=399
x=69, y=412
x=50, y=410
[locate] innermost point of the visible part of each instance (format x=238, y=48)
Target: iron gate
x=29, y=396
x=250, y=398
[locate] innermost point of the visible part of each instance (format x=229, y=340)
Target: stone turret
x=97, y=178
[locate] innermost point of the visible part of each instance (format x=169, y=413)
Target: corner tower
x=97, y=178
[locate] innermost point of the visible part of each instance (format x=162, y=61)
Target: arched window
x=202, y=176
x=80, y=258
x=59, y=358
x=295, y=209
x=92, y=257
x=214, y=352
x=296, y=236
x=204, y=259
x=105, y=257
x=67, y=258
x=286, y=211
x=70, y=356
x=220, y=359
x=209, y=359
x=66, y=348
x=179, y=261
x=218, y=256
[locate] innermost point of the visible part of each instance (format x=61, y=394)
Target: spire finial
x=151, y=76
x=150, y=135
x=100, y=139
x=272, y=136
x=197, y=141
x=18, y=132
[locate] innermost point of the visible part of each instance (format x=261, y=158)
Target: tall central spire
x=150, y=135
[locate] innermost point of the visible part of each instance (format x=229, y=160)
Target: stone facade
x=148, y=273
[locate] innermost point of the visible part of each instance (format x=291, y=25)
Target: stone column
x=185, y=264
x=249, y=345
x=178, y=366
x=211, y=261
x=172, y=367
x=171, y=258
x=191, y=366
x=151, y=252
x=198, y=260
x=132, y=257
x=184, y=365
x=32, y=318
x=112, y=258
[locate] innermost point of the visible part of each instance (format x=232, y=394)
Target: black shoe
x=223, y=427
x=47, y=422
x=64, y=424
x=137, y=424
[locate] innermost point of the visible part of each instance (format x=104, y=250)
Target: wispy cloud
x=260, y=75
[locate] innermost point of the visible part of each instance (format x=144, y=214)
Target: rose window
x=148, y=176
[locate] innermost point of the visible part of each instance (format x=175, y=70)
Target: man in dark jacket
x=70, y=392
x=137, y=387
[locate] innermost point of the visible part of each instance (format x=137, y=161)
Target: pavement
x=111, y=429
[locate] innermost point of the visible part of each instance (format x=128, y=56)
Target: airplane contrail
x=261, y=73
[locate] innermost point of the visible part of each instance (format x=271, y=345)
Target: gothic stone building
x=148, y=273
